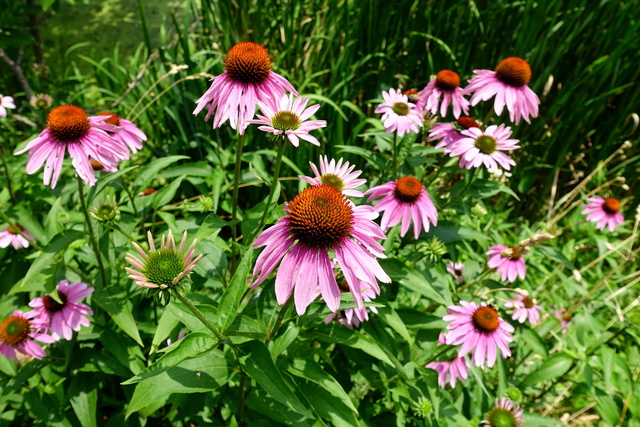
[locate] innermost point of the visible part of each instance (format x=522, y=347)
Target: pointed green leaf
x=228, y=307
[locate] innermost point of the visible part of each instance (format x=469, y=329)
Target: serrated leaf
x=550, y=369
x=230, y=300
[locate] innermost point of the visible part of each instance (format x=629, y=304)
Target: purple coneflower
x=451, y=370
x=505, y=414
x=128, y=133
x=508, y=83
x=478, y=328
x=508, y=261
x=289, y=118
x=564, y=319
x=352, y=317
x=450, y=133
x=165, y=267
x=398, y=114
x=525, y=307
x=70, y=128
x=66, y=316
x=6, y=102
x=445, y=86
x=604, y=212
x=455, y=268
x=18, y=332
x=318, y=220
x=247, y=79
x=10, y=236
x=477, y=147
x=337, y=175
x=404, y=200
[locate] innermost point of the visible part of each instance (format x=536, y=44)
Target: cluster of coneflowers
x=324, y=244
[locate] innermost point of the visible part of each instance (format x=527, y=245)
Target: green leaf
x=211, y=224
x=256, y=362
x=182, y=313
x=45, y=259
x=531, y=338
x=550, y=369
x=83, y=396
x=166, y=194
x=150, y=172
x=449, y=232
x=312, y=371
x=104, y=181
x=119, y=308
x=482, y=188
x=205, y=373
x=411, y=278
x=193, y=345
x=391, y=318
x=230, y=300
x=166, y=324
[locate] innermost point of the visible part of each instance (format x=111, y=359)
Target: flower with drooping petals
x=352, y=317
x=478, y=147
x=414, y=97
x=70, y=128
x=18, y=332
x=66, y=316
x=337, y=175
x=247, y=79
x=318, y=220
x=604, y=212
x=128, y=133
x=41, y=101
x=505, y=414
x=478, y=328
x=508, y=83
x=451, y=370
x=445, y=86
x=165, y=267
x=398, y=114
x=11, y=236
x=406, y=200
x=508, y=261
x=288, y=117
x=450, y=133
x=564, y=319
x=455, y=268
x=6, y=102
x=525, y=307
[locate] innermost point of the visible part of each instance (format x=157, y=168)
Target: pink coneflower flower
x=337, y=175
x=604, y=212
x=128, y=133
x=450, y=133
x=509, y=85
x=247, y=79
x=352, y=317
x=165, y=267
x=10, y=236
x=478, y=147
x=404, y=200
x=525, y=307
x=508, y=261
x=450, y=370
x=414, y=97
x=505, y=413
x=398, y=114
x=18, y=332
x=69, y=128
x=445, y=86
x=564, y=319
x=455, y=268
x=478, y=328
x=318, y=220
x=6, y=102
x=288, y=117
x=66, y=316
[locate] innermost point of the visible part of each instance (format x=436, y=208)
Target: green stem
x=124, y=233
x=131, y=198
x=281, y=315
x=395, y=155
x=6, y=174
x=234, y=203
x=196, y=312
x=92, y=236
x=272, y=190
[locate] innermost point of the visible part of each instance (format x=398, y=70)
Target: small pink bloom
x=404, y=200
x=247, y=79
x=398, y=114
x=455, y=268
x=478, y=147
x=564, y=319
x=127, y=134
x=352, y=317
x=478, y=328
x=6, y=102
x=66, y=316
x=511, y=266
x=450, y=370
x=525, y=307
x=450, y=133
x=289, y=118
x=445, y=86
x=18, y=332
x=508, y=83
x=10, y=236
x=339, y=176
x=604, y=212
x=318, y=220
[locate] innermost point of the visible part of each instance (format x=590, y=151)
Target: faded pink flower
x=525, y=308
x=511, y=266
x=455, y=268
x=443, y=91
x=398, y=114
x=339, y=176
x=451, y=370
x=18, y=332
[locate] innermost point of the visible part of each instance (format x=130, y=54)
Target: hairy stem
x=196, y=312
